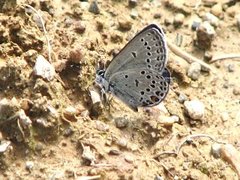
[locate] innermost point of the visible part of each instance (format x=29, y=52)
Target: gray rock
x=182, y=98
x=195, y=25
x=194, y=71
x=205, y=34
x=231, y=68
x=93, y=8
x=121, y=122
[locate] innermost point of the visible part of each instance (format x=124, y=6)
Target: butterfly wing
x=139, y=88
x=146, y=50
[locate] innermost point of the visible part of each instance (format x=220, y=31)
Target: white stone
x=96, y=98
x=4, y=145
x=29, y=165
x=215, y=150
x=212, y=19
x=195, y=109
x=26, y=121
x=224, y=116
x=43, y=68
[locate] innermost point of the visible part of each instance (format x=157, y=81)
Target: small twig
x=225, y=56
x=20, y=128
x=164, y=167
x=102, y=165
x=44, y=30
x=189, y=58
x=188, y=138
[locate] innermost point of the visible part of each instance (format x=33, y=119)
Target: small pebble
x=207, y=56
x=195, y=109
x=132, y=3
x=157, y=177
x=146, y=6
x=125, y=24
x=101, y=126
x=121, y=122
x=217, y=10
x=76, y=55
x=68, y=132
x=114, y=152
x=134, y=14
x=224, y=116
x=168, y=21
x=232, y=11
x=97, y=106
x=39, y=147
x=29, y=165
x=236, y=90
x=194, y=71
x=84, y=6
x=116, y=37
x=79, y=27
x=205, y=34
x=122, y=142
x=231, y=68
x=212, y=19
x=70, y=113
x=182, y=98
x=69, y=173
x=169, y=121
x=215, y=150
x=157, y=15
x=88, y=154
x=4, y=145
x=24, y=119
x=44, y=69
x=93, y=8
x=95, y=97
x=185, y=166
x=129, y=159
x=195, y=25
x=178, y=19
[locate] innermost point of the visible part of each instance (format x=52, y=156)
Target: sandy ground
x=52, y=128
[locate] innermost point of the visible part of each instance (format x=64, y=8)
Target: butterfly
x=137, y=75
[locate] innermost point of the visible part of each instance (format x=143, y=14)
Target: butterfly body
x=137, y=75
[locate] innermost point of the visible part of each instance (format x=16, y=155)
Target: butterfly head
x=99, y=76
x=100, y=79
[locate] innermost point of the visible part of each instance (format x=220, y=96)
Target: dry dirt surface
x=52, y=124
